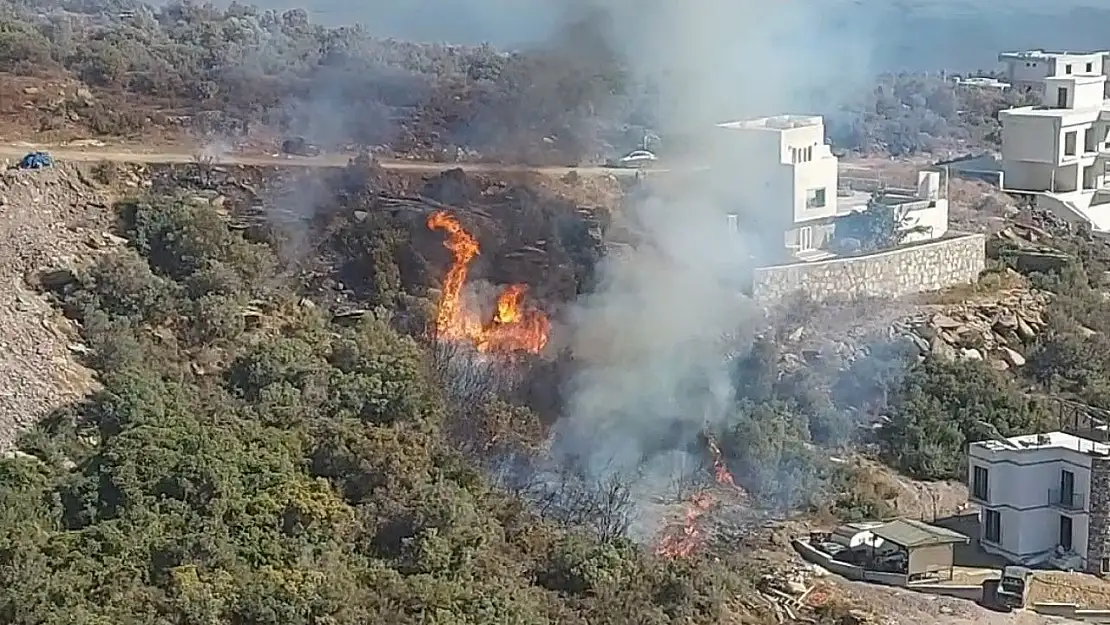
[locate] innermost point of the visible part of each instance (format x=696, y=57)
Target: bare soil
x=898, y=606
x=48, y=218
x=1082, y=589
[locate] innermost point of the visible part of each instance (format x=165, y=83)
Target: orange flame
x=720, y=471
x=680, y=544
x=514, y=327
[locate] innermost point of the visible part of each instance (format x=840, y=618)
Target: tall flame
x=720, y=471
x=514, y=326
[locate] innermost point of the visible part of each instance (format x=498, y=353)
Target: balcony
x=1063, y=500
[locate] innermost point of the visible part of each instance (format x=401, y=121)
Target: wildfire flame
x=514, y=326
x=681, y=543
x=720, y=471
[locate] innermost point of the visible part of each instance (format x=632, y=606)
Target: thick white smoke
x=654, y=338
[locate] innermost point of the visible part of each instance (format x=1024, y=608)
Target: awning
x=912, y=534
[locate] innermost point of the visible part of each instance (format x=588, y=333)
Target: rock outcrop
x=998, y=331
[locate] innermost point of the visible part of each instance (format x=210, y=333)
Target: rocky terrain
x=48, y=218
x=996, y=327
x=997, y=330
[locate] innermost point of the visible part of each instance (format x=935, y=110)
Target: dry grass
x=991, y=283
x=1086, y=591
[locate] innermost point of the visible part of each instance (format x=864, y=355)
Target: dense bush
x=912, y=113
x=282, y=469
x=572, y=98
x=235, y=67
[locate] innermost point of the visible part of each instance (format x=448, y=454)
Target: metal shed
x=929, y=548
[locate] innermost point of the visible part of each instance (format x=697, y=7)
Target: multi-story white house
x=1028, y=69
x=1042, y=495
x=1058, y=151
x=798, y=171
x=792, y=175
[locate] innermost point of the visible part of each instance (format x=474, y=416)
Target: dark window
x=1067, y=69
x=1067, y=487
x=1061, y=97
x=1090, y=67
x=992, y=526
x=1065, y=532
x=979, y=484
x=1105, y=567
x=815, y=198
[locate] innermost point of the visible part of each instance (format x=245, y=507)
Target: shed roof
x=911, y=534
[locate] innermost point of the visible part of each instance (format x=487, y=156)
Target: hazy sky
x=904, y=34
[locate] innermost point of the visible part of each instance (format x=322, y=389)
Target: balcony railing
x=1065, y=500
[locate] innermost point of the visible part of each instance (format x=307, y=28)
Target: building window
x=794, y=156
x=1067, y=487
x=992, y=526
x=805, y=238
x=1065, y=532
x=1069, y=143
x=1090, y=67
x=815, y=198
x=1067, y=68
x=979, y=484
x=1104, y=567
x=809, y=154
x=1061, y=97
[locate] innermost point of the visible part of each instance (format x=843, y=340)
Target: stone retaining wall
x=1098, y=532
x=911, y=269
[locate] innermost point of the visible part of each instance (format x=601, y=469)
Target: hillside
x=376, y=387
x=290, y=421
x=243, y=79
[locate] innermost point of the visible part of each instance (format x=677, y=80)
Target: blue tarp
x=36, y=160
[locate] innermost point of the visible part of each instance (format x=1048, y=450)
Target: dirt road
x=136, y=154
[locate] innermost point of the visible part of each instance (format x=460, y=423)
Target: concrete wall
x=933, y=218
x=912, y=269
x=816, y=556
x=962, y=591
x=813, y=555
x=1030, y=138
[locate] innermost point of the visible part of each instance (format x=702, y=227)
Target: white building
x=798, y=184
x=1036, y=499
x=1058, y=151
x=799, y=174
x=1028, y=69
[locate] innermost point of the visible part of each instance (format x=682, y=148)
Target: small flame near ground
x=682, y=541
x=515, y=326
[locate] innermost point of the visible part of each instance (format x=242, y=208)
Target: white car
x=636, y=158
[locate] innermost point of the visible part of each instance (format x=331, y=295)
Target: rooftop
x=1045, y=54
x=777, y=122
x=913, y=534
x=1079, y=77
x=1051, y=440
x=1048, y=111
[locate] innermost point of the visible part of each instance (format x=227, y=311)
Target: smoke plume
x=654, y=339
